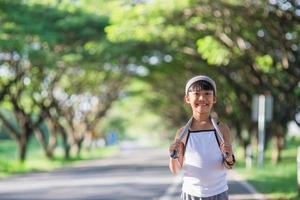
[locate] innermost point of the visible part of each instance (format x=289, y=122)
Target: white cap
x=200, y=78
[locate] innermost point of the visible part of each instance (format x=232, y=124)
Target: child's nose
x=201, y=97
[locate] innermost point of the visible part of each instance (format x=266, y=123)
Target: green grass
x=275, y=181
x=36, y=160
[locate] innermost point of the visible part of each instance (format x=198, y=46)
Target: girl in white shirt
x=201, y=151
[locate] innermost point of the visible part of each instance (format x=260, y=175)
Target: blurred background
x=80, y=79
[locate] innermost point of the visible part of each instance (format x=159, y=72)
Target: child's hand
x=227, y=148
x=175, y=146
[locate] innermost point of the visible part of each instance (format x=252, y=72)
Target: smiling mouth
x=201, y=104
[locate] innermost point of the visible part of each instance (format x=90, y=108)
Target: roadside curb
x=256, y=195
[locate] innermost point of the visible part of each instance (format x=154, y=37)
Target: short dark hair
x=201, y=85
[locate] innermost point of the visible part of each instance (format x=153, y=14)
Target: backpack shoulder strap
x=216, y=127
x=182, y=136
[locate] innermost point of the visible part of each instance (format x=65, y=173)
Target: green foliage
x=47, y=25
x=141, y=122
x=9, y=116
x=248, y=47
x=269, y=179
x=46, y=41
x=145, y=22
x=265, y=63
x=212, y=51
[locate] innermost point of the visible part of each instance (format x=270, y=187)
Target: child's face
x=201, y=101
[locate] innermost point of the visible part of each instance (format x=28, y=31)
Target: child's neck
x=201, y=118
x=201, y=122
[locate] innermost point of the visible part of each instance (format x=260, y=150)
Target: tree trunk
x=277, y=141
x=65, y=142
x=79, y=146
x=47, y=147
x=52, y=143
x=22, y=147
x=278, y=144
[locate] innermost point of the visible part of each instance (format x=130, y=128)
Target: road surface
x=134, y=174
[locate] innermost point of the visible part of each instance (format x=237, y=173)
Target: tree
x=43, y=45
x=248, y=47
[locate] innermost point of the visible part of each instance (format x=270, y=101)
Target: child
x=201, y=148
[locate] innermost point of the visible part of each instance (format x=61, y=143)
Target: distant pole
x=298, y=170
x=262, y=112
x=249, y=156
x=261, y=129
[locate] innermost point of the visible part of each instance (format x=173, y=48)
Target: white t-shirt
x=204, y=173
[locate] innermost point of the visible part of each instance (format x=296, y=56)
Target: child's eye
x=195, y=93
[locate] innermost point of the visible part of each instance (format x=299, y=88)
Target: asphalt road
x=135, y=174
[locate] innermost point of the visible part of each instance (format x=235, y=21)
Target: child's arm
x=226, y=146
x=175, y=165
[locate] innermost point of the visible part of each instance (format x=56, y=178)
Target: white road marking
x=173, y=188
